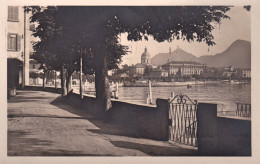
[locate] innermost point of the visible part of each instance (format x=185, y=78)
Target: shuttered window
x=14, y=42
x=13, y=13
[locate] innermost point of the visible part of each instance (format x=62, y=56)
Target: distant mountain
x=177, y=55
x=238, y=54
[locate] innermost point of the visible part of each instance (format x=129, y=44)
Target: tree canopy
x=66, y=32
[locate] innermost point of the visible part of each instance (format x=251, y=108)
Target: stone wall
x=144, y=120
x=235, y=136
x=147, y=121
x=222, y=136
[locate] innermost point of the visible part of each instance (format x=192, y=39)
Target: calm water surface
x=222, y=94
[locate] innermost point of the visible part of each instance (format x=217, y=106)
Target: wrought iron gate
x=183, y=120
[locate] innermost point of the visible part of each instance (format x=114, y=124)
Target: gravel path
x=39, y=124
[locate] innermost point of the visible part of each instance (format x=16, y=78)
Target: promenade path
x=40, y=124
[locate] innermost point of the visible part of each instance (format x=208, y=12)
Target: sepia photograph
x=128, y=81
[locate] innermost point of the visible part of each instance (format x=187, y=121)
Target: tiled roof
x=183, y=62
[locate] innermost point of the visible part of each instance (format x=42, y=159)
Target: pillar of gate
x=207, y=128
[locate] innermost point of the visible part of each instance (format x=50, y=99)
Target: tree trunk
x=43, y=80
x=47, y=77
x=62, y=77
x=68, y=81
x=55, y=79
x=102, y=86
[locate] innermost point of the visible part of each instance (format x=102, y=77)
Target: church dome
x=145, y=58
x=145, y=53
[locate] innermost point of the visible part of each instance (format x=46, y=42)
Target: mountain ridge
x=238, y=54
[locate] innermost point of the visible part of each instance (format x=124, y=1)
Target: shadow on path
x=105, y=126
x=150, y=147
x=44, y=116
x=154, y=150
x=20, y=143
x=24, y=143
x=26, y=98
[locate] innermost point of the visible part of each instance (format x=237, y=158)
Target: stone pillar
x=207, y=128
x=163, y=119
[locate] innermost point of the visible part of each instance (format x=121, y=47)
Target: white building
x=19, y=46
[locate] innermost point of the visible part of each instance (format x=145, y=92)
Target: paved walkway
x=39, y=124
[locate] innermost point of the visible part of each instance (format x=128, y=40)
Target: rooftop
x=183, y=62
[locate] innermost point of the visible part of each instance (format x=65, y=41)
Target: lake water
x=225, y=95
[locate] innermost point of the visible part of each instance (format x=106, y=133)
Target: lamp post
x=24, y=51
x=80, y=75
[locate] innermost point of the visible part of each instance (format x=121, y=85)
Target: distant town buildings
x=173, y=68
x=159, y=73
x=177, y=70
x=183, y=68
x=229, y=71
x=139, y=68
x=244, y=73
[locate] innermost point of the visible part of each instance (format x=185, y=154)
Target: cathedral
x=145, y=58
x=138, y=69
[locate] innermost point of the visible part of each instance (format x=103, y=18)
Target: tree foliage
x=66, y=31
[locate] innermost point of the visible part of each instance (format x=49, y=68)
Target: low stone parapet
x=146, y=121
x=222, y=136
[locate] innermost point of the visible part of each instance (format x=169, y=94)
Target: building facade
x=139, y=69
x=183, y=68
x=244, y=73
x=19, y=47
x=158, y=74
x=145, y=57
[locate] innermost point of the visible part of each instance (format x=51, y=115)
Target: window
x=14, y=42
x=13, y=13
x=33, y=66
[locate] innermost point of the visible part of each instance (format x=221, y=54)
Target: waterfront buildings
x=173, y=68
x=230, y=72
x=139, y=69
x=183, y=68
x=159, y=74
x=244, y=73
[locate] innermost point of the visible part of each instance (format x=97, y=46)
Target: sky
x=230, y=30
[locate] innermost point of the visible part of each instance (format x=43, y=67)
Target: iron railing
x=183, y=120
x=243, y=110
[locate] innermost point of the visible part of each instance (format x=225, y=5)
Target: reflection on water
x=225, y=95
